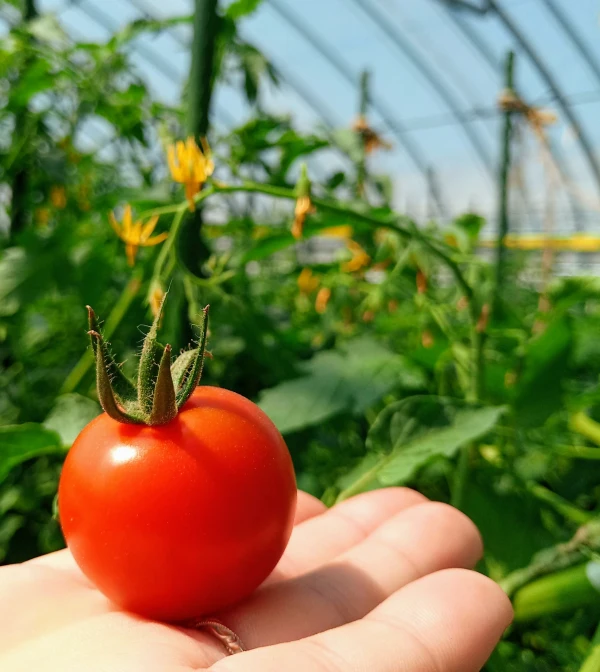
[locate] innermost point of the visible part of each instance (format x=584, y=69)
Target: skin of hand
x=380, y=582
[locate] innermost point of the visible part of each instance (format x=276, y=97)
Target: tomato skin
x=179, y=521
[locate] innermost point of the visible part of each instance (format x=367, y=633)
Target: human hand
x=376, y=583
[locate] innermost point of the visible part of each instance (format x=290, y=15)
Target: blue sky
x=403, y=90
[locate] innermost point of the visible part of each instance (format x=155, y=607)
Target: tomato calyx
x=162, y=387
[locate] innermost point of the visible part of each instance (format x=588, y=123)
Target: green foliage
x=539, y=393
x=367, y=339
x=23, y=442
x=240, y=8
x=351, y=379
x=410, y=434
x=70, y=414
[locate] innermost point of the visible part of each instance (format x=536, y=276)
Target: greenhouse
x=299, y=353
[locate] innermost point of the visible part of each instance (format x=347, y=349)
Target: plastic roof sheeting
x=437, y=71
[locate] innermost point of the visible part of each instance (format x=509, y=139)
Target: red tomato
x=181, y=520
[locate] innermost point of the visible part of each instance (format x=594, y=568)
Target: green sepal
x=182, y=366
x=164, y=408
x=104, y=386
x=190, y=381
x=163, y=388
x=152, y=354
x=303, y=186
x=123, y=389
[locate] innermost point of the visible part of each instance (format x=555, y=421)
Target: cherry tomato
x=178, y=521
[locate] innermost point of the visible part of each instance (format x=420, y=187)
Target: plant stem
x=114, y=319
x=361, y=168
x=206, y=29
x=206, y=24
x=578, y=452
x=461, y=476
x=556, y=558
x=477, y=335
x=582, y=424
x=161, y=260
x=561, y=505
x=361, y=483
x=503, y=216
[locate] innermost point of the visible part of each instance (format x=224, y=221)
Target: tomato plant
x=183, y=516
x=380, y=347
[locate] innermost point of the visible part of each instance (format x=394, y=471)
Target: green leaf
x=241, y=8
x=539, y=391
x=19, y=443
x=508, y=518
x=23, y=276
x=412, y=433
x=350, y=379
x=466, y=426
x=349, y=142
x=277, y=242
x=47, y=29
x=37, y=78
x=15, y=269
x=9, y=525
x=268, y=246
x=140, y=26
x=471, y=224
x=70, y=414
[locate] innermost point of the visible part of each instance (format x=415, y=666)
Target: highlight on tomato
x=178, y=500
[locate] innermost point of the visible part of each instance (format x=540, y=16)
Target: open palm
x=377, y=583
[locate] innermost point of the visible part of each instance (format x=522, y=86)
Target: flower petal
x=115, y=225
x=148, y=228
x=127, y=219
x=191, y=189
x=173, y=165
x=156, y=239
x=131, y=251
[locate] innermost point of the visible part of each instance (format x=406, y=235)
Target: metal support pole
x=503, y=205
x=394, y=125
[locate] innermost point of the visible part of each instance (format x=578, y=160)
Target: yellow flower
x=322, y=300
x=303, y=208
x=341, y=231
x=371, y=139
x=190, y=166
x=427, y=340
x=42, y=216
x=136, y=234
x=58, y=196
x=304, y=204
x=259, y=232
x=484, y=316
x=359, y=258
x=307, y=282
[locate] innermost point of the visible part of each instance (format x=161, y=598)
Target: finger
x=322, y=538
x=447, y=621
x=308, y=507
x=421, y=540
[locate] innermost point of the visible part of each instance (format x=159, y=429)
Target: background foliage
x=385, y=352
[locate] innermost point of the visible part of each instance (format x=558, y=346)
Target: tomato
x=183, y=519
